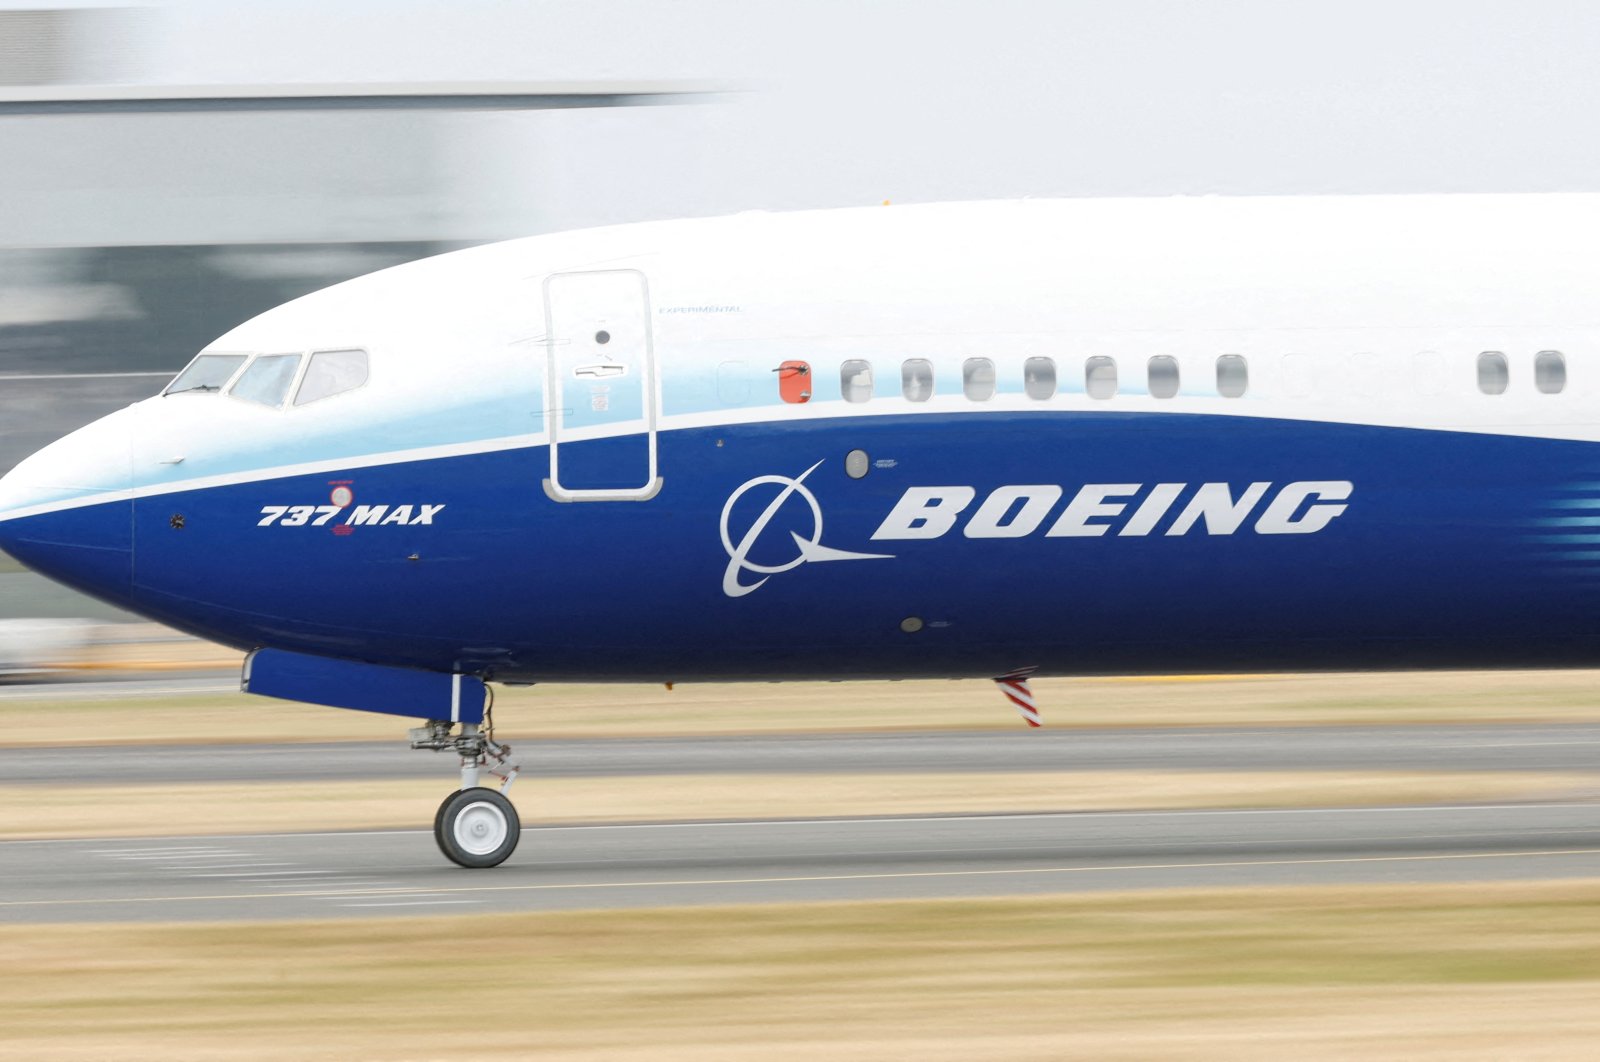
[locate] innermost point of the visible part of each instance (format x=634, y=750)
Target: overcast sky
x=854, y=101
x=859, y=101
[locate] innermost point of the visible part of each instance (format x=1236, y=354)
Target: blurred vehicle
x=30, y=648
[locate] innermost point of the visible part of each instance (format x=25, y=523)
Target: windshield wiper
x=196, y=387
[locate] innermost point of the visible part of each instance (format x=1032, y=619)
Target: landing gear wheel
x=477, y=827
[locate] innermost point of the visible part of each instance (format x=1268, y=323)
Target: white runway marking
x=326, y=886
x=145, y=849
x=253, y=874
x=1513, y=744
x=415, y=903
x=1158, y=813
x=154, y=857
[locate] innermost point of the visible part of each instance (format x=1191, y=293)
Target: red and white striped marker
x=1019, y=693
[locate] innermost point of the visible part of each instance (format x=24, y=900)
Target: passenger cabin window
x=332, y=372
x=1039, y=378
x=1549, y=372
x=977, y=379
x=855, y=380
x=267, y=379
x=1233, y=376
x=1494, y=374
x=916, y=379
x=1100, y=377
x=206, y=374
x=794, y=381
x=1162, y=376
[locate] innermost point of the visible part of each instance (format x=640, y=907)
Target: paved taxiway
x=344, y=874
x=1556, y=747
x=350, y=874
x=103, y=689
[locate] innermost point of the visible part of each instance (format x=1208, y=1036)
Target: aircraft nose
x=67, y=512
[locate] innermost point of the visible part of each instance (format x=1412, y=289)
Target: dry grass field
x=1451, y=972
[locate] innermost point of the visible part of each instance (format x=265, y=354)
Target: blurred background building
x=128, y=241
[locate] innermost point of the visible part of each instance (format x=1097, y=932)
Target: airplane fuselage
x=1088, y=437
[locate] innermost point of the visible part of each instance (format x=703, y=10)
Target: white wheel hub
x=480, y=829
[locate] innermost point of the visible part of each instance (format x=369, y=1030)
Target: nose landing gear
x=475, y=826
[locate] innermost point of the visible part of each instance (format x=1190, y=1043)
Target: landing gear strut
x=475, y=826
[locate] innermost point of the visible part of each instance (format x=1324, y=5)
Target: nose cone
x=67, y=511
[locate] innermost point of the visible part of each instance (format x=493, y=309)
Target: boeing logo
x=1134, y=510
x=1300, y=508
x=808, y=547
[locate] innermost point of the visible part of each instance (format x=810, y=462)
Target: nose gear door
x=602, y=387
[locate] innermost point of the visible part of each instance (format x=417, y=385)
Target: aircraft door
x=601, y=385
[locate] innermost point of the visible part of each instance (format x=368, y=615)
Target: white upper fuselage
x=1358, y=309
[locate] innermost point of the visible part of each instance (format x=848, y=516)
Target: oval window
x=1100, y=377
x=1233, y=376
x=977, y=379
x=1549, y=372
x=1039, y=378
x=1162, y=376
x=855, y=380
x=916, y=379
x=1494, y=374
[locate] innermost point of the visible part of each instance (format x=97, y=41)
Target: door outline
x=558, y=397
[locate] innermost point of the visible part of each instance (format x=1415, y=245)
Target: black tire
x=477, y=828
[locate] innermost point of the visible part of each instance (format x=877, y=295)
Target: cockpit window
x=267, y=379
x=206, y=374
x=332, y=372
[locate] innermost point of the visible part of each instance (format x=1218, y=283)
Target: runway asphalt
x=387, y=873
x=78, y=690
x=1562, y=747
x=349, y=874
